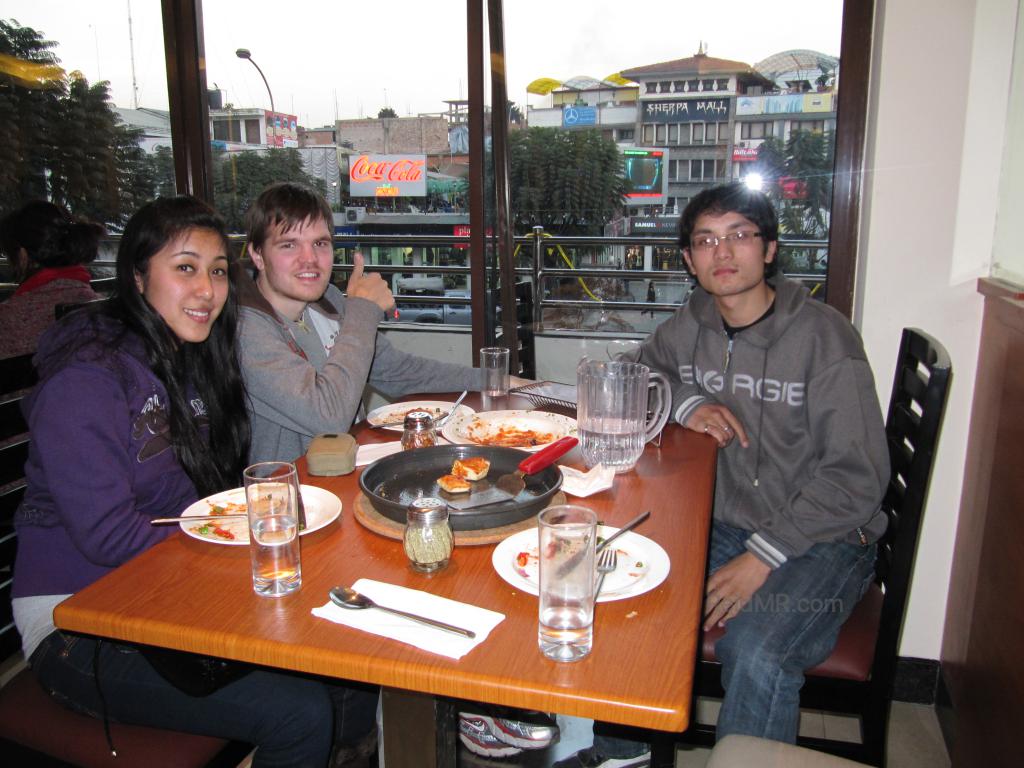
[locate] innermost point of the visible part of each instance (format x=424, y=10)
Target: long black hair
x=211, y=367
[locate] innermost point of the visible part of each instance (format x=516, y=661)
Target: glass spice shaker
x=419, y=430
x=428, y=537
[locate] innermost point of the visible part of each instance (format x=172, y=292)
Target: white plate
x=475, y=429
x=642, y=564
x=396, y=411
x=322, y=508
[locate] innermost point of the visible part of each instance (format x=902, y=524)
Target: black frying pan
x=395, y=481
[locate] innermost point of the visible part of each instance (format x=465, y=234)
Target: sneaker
x=537, y=731
x=476, y=734
x=591, y=758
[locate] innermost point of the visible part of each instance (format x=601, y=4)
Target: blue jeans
x=290, y=718
x=789, y=626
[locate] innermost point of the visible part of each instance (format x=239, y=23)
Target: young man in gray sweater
x=308, y=351
x=781, y=383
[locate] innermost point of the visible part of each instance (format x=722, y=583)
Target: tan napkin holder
x=331, y=454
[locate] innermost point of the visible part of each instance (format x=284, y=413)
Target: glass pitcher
x=620, y=406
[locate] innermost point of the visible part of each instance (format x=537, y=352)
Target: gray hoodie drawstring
x=760, y=421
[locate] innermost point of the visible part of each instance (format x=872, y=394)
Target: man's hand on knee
x=731, y=587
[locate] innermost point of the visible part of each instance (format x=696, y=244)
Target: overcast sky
x=332, y=57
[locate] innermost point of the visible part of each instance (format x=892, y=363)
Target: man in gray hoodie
x=782, y=384
x=307, y=351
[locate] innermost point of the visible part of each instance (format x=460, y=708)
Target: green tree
x=386, y=112
x=63, y=139
x=239, y=177
x=568, y=182
x=803, y=164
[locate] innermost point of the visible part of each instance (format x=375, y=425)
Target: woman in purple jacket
x=139, y=411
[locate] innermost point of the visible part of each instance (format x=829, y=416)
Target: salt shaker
x=428, y=537
x=419, y=430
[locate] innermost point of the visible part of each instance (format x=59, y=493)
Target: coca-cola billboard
x=388, y=176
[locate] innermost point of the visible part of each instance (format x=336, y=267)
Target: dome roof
x=798, y=64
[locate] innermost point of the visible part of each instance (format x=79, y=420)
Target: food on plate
x=226, y=507
x=212, y=529
x=506, y=435
x=471, y=468
x=398, y=416
x=453, y=484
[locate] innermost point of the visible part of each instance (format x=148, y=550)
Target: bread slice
x=453, y=484
x=471, y=468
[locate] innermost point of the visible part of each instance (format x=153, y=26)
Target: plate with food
x=525, y=430
x=642, y=563
x=322, y=508
x=394, y=413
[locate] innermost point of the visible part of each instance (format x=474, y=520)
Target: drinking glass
x=271, y=496
x=494, y=371
x=567, y=534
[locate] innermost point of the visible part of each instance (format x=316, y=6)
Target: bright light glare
x=754, y=181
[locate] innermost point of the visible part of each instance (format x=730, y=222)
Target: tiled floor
x=914, y=739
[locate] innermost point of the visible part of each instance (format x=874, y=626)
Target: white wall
x=939, y=85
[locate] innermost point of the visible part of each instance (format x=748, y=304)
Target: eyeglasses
x=710, y=242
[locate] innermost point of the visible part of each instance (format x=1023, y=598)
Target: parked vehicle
x=430, y=312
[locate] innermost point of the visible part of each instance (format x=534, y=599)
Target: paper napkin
x=577, y=483
x=367, y=454
x=425, y=637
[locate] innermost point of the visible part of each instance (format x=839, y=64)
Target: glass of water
x=566, y=555
x=271, y=496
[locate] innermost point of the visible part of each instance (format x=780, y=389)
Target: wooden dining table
x=196, y=596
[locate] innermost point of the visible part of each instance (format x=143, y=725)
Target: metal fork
x=606, y=563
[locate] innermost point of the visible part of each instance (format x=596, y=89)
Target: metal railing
x=537, y=257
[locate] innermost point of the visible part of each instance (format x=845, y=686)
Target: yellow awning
x=618, y=80
x=542, y=86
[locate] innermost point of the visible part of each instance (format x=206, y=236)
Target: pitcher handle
x=662, y=405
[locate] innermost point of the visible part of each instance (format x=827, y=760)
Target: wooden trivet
x=370, y=518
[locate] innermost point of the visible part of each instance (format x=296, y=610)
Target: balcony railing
x=564, y=291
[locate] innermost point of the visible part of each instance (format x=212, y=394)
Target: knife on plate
x=193, y=519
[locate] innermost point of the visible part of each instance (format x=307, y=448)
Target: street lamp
x=244, y=53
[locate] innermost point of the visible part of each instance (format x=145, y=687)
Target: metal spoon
x=349, y=598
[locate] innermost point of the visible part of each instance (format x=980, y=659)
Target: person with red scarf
x=47, y=249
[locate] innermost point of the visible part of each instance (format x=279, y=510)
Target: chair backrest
x=16, y=378
x=916, y=408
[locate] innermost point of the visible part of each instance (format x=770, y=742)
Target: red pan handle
x=547, y=456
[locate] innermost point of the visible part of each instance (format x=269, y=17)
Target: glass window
x=698, y=132
x=80, y=131
x=651, y=87
x=723, y=133
x=648, y=133
x=692, y=85
x=659, y=135
x=708, y=85
x=673, y=134
x=664, y=86
x=678, y=86
x=710, y=133
x=252, y=132
x=722, y=84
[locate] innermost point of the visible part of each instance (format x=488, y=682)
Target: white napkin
x=425, y=637
x=367, y=454
x=577, y=483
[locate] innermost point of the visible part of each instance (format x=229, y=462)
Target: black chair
x=35, y=729
x=857, y=678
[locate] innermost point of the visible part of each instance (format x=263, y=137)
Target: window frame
x=189, y=113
